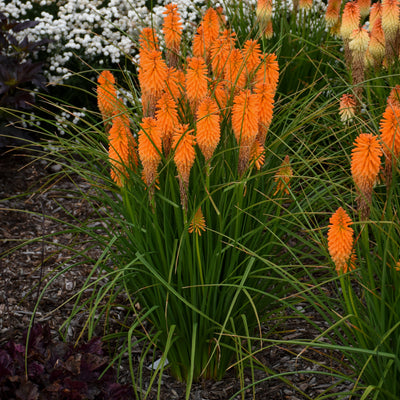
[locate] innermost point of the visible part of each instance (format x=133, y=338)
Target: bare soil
x=33, y=212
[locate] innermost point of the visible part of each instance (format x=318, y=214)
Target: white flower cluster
x=99, y=32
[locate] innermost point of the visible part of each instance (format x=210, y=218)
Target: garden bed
x=31, y=207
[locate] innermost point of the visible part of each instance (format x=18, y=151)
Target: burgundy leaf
x=73, y=364
x=94, y=346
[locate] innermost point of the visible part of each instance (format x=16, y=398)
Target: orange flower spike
x=390, y=133
x=172, y=30
x=365, y=160
x=340, y=240
x=234, y=71
x=121, y=150
x=268, y=71
x=283, y=177
x=183, y=143
x=365, y=165
x=394, y=97
x=365, y=6
x=206, y=33
x=221, y=16
x=208, y=128
x=198, y=223
x=332, y=14
x=257, y=155
x=211, y=26
x=252, y=55
x=149, y=149
x=154, y=72
x=220, y=94
x=199, y=45
x=377, y=43
x=375, y=14
x=347, y=108
x=264, y=12
x=305, y=4
x=390, y=129
x=196, y=80
x=167, y=119
x=106, y=95
x=184, y=157
x=174, y=83
x=245, y=117
x=219, y=53
x=350, y=19
x=148, y=40
x=269, y=30
x=265, y=95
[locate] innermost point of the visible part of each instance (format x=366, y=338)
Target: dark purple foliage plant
x=20, y=74
x=48, y=370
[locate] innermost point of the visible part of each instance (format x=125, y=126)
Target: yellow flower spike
x=198, y=223
x=340, y=241
x=390, y=26
x=390, y=18
x=347, y=108
x=332, y=14
x=350, y=19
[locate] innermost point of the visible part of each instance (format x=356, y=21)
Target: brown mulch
x=34, y=212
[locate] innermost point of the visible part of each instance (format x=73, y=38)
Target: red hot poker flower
x=340, y=240
x=207, y=126
x=149, y=149
x=365, y=165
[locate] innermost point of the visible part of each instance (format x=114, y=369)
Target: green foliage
x=207, y=293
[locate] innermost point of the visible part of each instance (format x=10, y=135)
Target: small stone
x=56, y=168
